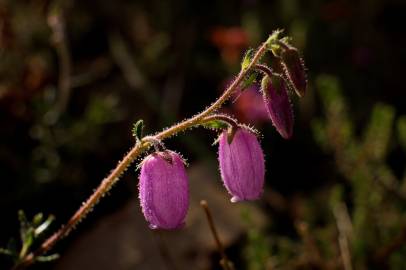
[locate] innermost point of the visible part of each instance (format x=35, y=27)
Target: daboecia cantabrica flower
x=242, y=164
x=164, y=190
x=277, y=103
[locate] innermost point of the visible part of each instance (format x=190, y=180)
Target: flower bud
x=294, y=69
x=277, y=103
x=242, y=165
x=164, y=190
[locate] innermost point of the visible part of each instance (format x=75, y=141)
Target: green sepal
x=271, y=41
x=215, y=124
x=230, y=134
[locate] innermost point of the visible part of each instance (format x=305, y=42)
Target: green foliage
x=375, y=191
x=272, y=42
x=30, y=232
x=363, y=218
x=257, y=249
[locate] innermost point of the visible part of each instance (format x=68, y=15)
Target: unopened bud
x=294, y=69
x=277, y=103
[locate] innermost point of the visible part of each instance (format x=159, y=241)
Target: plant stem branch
x=225, y=262
x=56, y=21
x=134, y=153
x=344, y=230
x=264, y=69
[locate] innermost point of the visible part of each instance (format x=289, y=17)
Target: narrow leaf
x=48, y=258
x=6, y=252
x=247, y=59
x=44, y=226
x=37, y=220
x=138, y=130
x=215, y=124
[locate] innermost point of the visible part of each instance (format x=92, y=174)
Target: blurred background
x=76, y=75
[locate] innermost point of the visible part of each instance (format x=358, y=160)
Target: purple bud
x=242, y=165
x=277, y=103
x=164, y=190
x=295, y=70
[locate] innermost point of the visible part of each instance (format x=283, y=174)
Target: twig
x=132, y=155
x=344, y=231
x=224, y=262
x=56, y=22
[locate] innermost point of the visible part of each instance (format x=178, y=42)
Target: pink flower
x=242, y=165
x=164, y=190
x=295, y=70
x=277, y=103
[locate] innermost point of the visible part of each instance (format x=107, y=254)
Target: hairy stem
x=264, y=69
x=134, y=153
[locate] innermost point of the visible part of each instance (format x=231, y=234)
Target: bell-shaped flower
x=242, y=164
x=277, y=103
x=164, y=190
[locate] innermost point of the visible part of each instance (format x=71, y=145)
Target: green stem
x=24, y=250
x=133, y=154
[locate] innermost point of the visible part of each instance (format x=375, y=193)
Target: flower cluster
x=163, y=183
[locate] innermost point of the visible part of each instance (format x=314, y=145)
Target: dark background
x=163, y=61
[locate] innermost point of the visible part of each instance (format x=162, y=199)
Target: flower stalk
x=139, y=148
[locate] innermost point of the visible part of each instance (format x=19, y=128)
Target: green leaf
x=330, y=92
x=44, y=226
x=37, y=220
x=22, y=218
x=318, y=127
x=47, y=258
x=6, y=252
x=271, y=41
x=24, y=226
x=247, y=59
x=215, y=124
x=138, y=130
